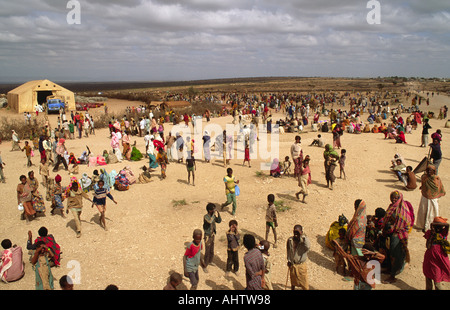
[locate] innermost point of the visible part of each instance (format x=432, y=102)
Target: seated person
x=11, y=262
x=399, y=169
x=411, y=183
x=319, y=142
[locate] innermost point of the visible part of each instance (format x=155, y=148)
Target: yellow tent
x=25, y=97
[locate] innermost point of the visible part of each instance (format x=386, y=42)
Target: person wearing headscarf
x=436, y=264
x=207, y=146
x=396, y=225
x=115, y=144
x=331, y=157
x=126, y=145
x=356, y=229
x=57, y=197
x=15, y=141
x=432, y=189
x=275, y=169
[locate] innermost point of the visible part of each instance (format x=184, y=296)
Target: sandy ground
x=147, y=234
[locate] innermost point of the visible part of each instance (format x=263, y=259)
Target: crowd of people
x=382, y=237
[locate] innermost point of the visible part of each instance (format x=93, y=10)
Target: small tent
x=25, y=97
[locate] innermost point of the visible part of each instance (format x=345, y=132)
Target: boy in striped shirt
x=100, y=194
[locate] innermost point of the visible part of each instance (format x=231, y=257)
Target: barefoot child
x=193, y=258
x=233, y=237
x=286, y=166
x=99, y=201
x=247, y=154
x=271, y=218
x=191, y=167
x=304, y=179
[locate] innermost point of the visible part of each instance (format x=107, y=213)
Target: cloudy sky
x=159, y=40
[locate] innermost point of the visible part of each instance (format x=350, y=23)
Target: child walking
x=27, y=148
x=271, y=218
x=304, y=179
x=233, y=237
x=193, y=258
x=100, y=194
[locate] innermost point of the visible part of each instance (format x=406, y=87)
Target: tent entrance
x=42, y=96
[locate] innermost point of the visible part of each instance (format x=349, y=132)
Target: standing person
x=337, y=132
x=330, y=156
x=436, y=153
x=271, y=218
x=170, y=140
x=60, y=150
x=28, y=152
x=75, y=204
x=71, y=130
x=396, y=224
x=233, y=238
x=163, y=161
x=224, y=148
x=209, y=227
x=247, y=153
x=25, y=197
x=193, y=258
x=40, y=262
x=342, y=159
x=57, y=197
x=254, y=264
x=207, y=146
x=2, y=165
x=436, y=264
x=115, y=144
x=264, y=247
x=191, y=167
x=230, y=190
x=100, y=194
x=44, y=171
x=297, y=156
x=432, y=189
x=297, y=248
x=304, y=179
x=425, y=129
x=180, y=147
x=356, y=229
x=15, y=141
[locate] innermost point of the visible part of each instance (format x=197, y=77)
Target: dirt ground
x=148, y=233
